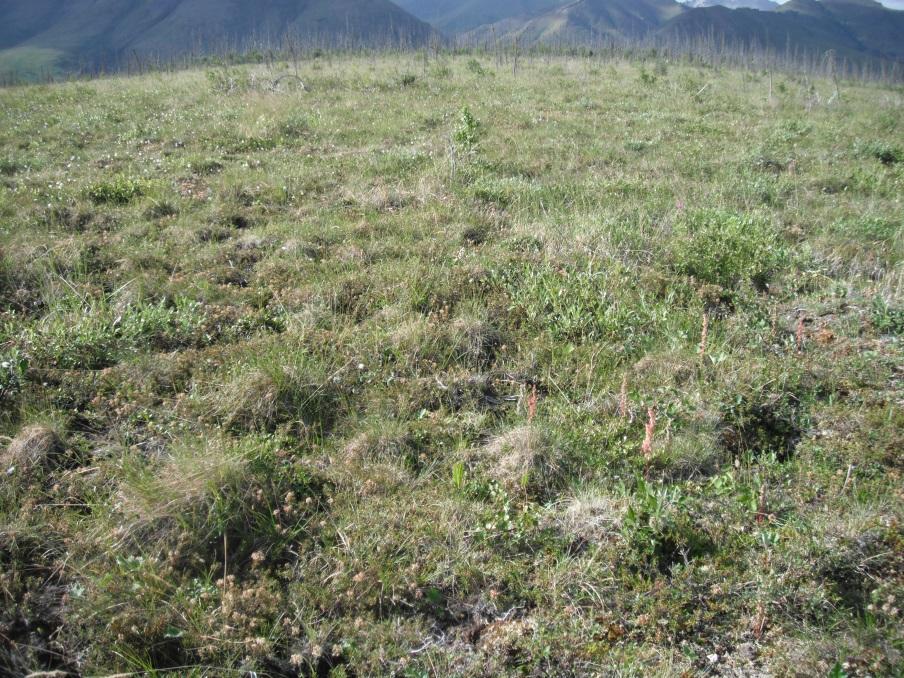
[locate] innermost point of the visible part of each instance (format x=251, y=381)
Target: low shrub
x=120, y=190
x=884, y=152
x=101, y=337
x=728, y=249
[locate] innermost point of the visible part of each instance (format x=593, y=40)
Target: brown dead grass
x=522, y=460
x=33, y=448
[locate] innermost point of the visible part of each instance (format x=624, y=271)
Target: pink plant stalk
x=532, y=404
x=647, y=447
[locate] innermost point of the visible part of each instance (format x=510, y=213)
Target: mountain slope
x=94, y=32
x=770, y=30
x=854, y=29
x=586, y=20
x=877, y=28
x=458, y=16
x=21, y=21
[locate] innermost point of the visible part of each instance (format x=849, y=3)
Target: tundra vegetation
x=447, y=368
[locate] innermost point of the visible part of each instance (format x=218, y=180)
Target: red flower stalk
x=532, y=404
x=647, y=447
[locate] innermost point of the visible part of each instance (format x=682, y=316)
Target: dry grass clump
x=252, y=401
x=414, y=336
x=386, y=443
x=690, y=454
x=522, y=460
x=374, y=462
x=35, y=447
x=503, y=637
x=383, y=199
x=468, y=341
x=210, y=496
x=476, y=341
x=350, y=253
x=590, y=516
x=182, y=483
x=267, y=397
x=662, y=369
x=370, y=480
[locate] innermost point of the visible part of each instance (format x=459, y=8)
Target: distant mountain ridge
x=94, y=32
x=854, y=29
x=74, y=35
x=587, y=20
x=762, y=5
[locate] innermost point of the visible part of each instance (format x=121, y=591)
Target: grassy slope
x=328, y=399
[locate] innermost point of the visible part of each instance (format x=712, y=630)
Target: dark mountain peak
x=93, y=32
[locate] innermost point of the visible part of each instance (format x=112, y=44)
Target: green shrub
x=161, y=326
x=467, y=132
x=100, y=338
x=646, y=77
x=883, y=151
x=295, y=126
x=727, y=249
x=659, y=528
x=871, y=229
x=887, y=318
x=118, y=191
x=441, y=71
x=475, y=67
x=9, y=167
x=228, y=80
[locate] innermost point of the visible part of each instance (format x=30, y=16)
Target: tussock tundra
x=433, y=370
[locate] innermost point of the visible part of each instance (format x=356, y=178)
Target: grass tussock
x=35, y=448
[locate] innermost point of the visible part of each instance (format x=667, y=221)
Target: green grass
x=356, y=380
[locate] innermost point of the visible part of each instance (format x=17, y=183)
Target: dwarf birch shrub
x=728, y=249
